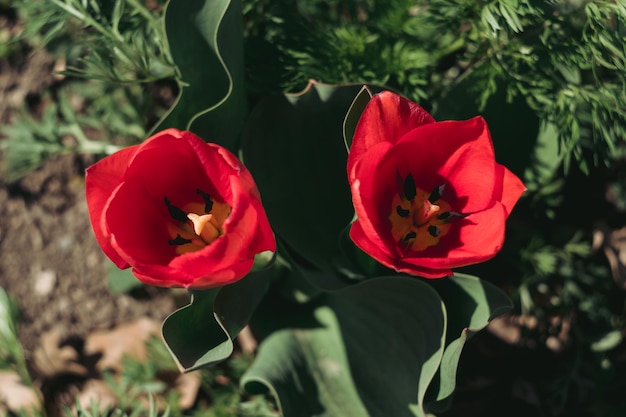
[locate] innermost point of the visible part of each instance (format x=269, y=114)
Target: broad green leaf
x=368, y=350
x=206, y=42
x=293, y=145
x=354, y=114
x=121, y=280
x=202, y=332
x=471, y=303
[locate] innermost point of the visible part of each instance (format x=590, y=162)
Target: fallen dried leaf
x=50, y=359
x=95, y=391
x=247, y=341
x=506, y=329
x=15, y=396
x=125, y=340
x=613, y=242
x=188, y=385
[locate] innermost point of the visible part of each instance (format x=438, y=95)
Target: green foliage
x=219, y=386
x=284, y=141
x=202, y=332
x=334, y=42
x=566, y=59
x=386, y=346
x=62, y=127
x=96, y=411
x=11, y=354
x=124, y=39
x=113, y=46
x=205, y=37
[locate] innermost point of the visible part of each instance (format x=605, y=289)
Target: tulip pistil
x=419, y=219
x=196, y=224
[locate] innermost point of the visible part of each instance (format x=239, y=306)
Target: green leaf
x=509, y=14
x=293, y=146
x=607, y=342
x=121, y=280
x=489, y=19
x=206, y=43
x=368, y=350
x=354, y=114
x=545, y=159
x=471, y=303
x=8, y=319
x=202, y=332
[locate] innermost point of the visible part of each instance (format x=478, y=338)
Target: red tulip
x=179, y=211
x=429, y=196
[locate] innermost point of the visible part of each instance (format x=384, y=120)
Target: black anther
x=434, y=231
x=436, y=194
x=208, y=203
x=175, y=212
x=402, y=212
x=410, y=190
x=179, y=241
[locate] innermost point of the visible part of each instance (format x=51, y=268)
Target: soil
x=51, y=263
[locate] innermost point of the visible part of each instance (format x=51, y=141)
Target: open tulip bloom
x=429, y=196
x=179, y=211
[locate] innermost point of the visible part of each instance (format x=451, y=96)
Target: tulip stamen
x=204, y=226
x=208, y=203
x=409, y=188
x=402, y=212
x=175, y=212
x=197, y=224
x=419, y=219
x=179, y=240
x=451, y=216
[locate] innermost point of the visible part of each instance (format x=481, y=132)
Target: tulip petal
x=101, y=180
x=375, y=248
x=386, y=118
x=137, y=224
x=372, y=194
x=169, y=167
x=361, y=239
x=479, y=239
x=508, y=189
x=458, y=154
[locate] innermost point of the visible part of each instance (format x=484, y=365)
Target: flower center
x=419, y=219
x=196, y=225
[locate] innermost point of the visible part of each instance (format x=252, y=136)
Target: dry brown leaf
x=188, y=385
x=247, y=341
x=125, y=340
x=15, y=396
x=97, y=392
x=504, y=328
x=51, y=359
x=613, y=242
